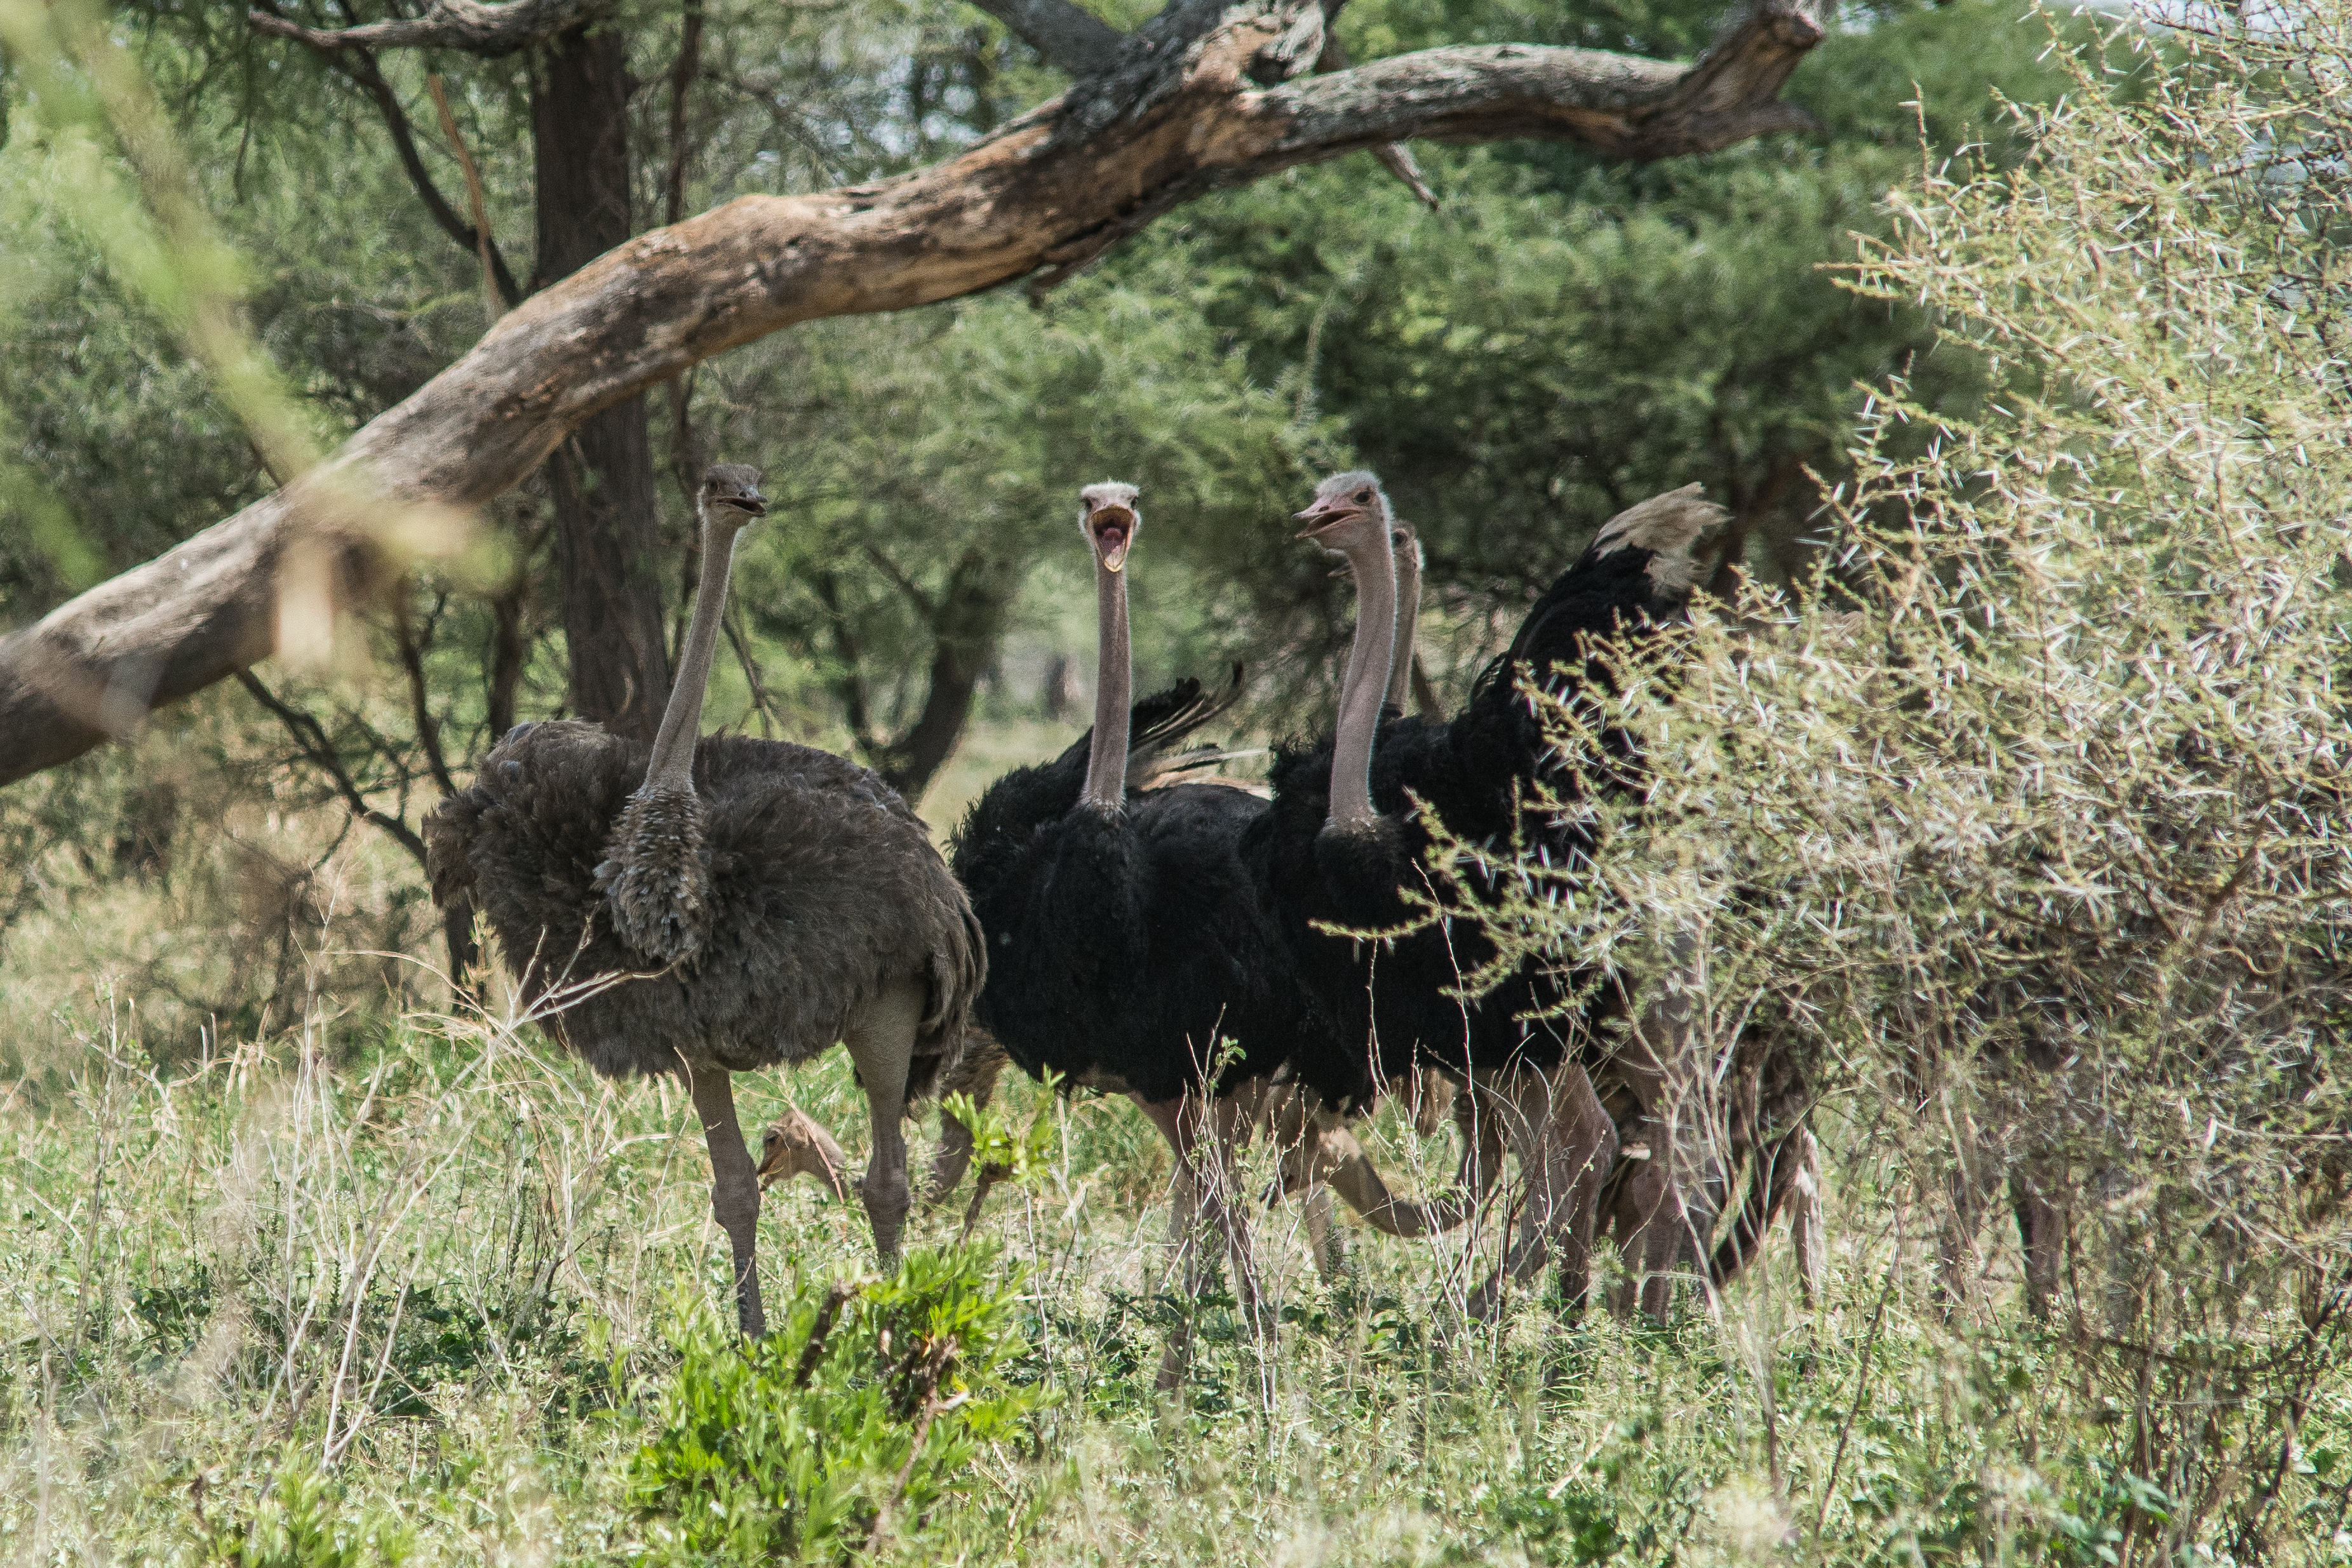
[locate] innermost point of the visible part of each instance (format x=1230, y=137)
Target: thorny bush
x=2018, y=833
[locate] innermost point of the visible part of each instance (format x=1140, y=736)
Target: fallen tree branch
x=467, y=25
x=1037, y=197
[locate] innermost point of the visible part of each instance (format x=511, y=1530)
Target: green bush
x=303, y=1518
x=850, y=1425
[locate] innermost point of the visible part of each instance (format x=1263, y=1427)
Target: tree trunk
x=964, y=635
x=602, y=479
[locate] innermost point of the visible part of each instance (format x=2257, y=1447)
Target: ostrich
x=718, y=905
x=1127, y=947
x=1155, y=723
x=1427, y=1095
x=1342, y=844
x=1319, y=1163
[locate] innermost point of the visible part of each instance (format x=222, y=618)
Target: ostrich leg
x=1207, y=1186
x=734, y=1190
x=881, y=1042
x=1567, y=1143
x=975, y=1074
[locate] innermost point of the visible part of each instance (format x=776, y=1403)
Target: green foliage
x=1002, y=1151
x=857, y=1419
x=1568, y=336
x=2027, y=814
x=303, y=1518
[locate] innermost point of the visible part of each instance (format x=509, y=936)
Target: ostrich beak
x=754, y=503
x=1112, y=527
x=1322, y=516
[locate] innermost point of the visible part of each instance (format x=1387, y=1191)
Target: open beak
x=1112, y=527
x=755, y=503
x=1322, y=516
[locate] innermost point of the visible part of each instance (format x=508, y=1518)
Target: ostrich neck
x=1408, y=615
x=1107, y=757
x=1359, y=705
x=672, y=765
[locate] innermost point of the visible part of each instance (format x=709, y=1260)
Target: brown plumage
x=718, y=905
x=822, y=886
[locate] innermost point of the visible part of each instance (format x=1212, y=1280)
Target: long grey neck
x=1408, y=617
x=1359, y=705
x=672, y=766
x=1114, y=678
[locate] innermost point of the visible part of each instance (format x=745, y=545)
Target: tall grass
x=393, y=1287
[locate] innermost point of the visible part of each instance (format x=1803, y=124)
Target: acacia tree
x=1206, y=95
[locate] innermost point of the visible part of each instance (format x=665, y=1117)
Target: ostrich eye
x=1363, y=497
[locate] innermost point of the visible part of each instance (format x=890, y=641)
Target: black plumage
x=1123, y=946
x=1391, y=1002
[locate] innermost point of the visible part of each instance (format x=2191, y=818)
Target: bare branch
x=360, y=68
x=469, y=25
x=1067, y=36
x=899, y=579
x=420, y=701
x=310, y=738
x=1034, y=197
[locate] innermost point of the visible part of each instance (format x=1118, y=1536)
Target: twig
x=934, y=1365
x=814, y=1350
x=490, y=297
x=312, y=739
x=681, y=81
x=412, y=660
x=1845, y=1429
x=733, y=622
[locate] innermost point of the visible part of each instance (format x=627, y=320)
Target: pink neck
x=1374, y=568
x=1106, y=788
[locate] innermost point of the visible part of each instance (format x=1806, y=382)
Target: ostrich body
x=1127, y=947
x=1343, y=841
x=720, y=906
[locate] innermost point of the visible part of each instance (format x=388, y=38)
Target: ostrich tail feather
x=655, y=876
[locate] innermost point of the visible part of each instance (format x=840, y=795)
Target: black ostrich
x=717, y=906
x=1127, y=949
x=1344, y=841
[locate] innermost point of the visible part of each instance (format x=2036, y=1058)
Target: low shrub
x=850, y=1425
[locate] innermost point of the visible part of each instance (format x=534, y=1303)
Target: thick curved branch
x=1032, y=199
x=1067, y=36
x=467, y=25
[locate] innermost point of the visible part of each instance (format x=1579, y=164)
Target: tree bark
x=602, y=480
x=1177, y=116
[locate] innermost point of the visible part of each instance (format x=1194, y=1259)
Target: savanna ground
x=368, y=1281
x=405, y=1287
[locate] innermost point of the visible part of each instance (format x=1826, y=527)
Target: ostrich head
x=797, y=1147
x=1409, y=556
x=730, y=495
x=1106, y=515
x=1349, y=511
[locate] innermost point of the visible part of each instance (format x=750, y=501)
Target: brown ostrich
x=712, y=907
